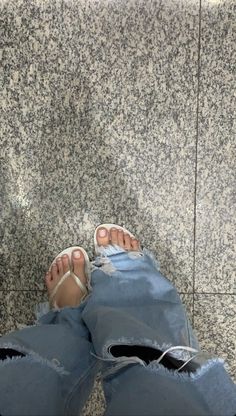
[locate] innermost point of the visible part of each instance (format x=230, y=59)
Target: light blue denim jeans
x=132, y=304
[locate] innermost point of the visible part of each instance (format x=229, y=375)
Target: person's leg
x=48, y=369
x=134, y=315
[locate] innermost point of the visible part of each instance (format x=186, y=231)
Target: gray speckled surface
x=17, y=308
x=96, y=404
x=216, y=176
x=109, y=115
x=215, y=326
x=100, y=109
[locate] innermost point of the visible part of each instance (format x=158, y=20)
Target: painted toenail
x=76, y=254
x=102, y=232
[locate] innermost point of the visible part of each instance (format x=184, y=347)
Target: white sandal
x=108, y=227
x=85, y=289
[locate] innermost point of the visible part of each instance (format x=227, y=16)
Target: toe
x=78, y=263
x=49, y=282
x=54, y=271
x=65, y=263
x=135, y=244
x=60, y=266
x=102, y=237
x=127, y=242
x=48, y=279
x=120, y=237
x=114, y=236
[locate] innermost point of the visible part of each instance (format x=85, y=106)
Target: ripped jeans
x=121, y=330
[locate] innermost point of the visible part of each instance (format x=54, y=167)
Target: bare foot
x=118, y=237
x=69, y=293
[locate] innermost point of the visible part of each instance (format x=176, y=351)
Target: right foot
x=119, y=237
x=69, y=293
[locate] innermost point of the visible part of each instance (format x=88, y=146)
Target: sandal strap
x=79, y=283
x=76, y=279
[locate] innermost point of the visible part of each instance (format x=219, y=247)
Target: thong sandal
x=108, y=227
x=85, y=289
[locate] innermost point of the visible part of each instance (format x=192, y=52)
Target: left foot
x=69, y=293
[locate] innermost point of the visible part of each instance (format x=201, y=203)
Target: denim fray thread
x=41, y=309
x=155, y=262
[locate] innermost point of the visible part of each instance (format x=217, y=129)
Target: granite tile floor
x=120, y=112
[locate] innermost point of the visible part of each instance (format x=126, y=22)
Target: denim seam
x=79, y=381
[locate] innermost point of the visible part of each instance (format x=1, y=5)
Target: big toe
x=102, y=237
x=79, y=264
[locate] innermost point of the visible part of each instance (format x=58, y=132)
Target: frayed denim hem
x=104, y=263
x=183, y=353
x=145, y=342
x=191, y=376
x=32, y=357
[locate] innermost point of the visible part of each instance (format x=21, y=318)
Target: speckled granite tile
x=17, y=309
x=216, y=197
x=111, y=95
x=20, y=159
x=9, y=243
x=100, y=124
x=9, y=230
x=96, y=404
x=187, y=300
x=215, y=326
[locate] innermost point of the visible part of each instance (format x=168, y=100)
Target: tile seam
x=196, y=154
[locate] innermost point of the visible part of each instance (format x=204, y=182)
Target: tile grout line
x=196, y=156
x=180, y=293
x=208, y=293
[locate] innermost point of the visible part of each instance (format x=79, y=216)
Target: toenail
x=76, y=254
x=102, y=232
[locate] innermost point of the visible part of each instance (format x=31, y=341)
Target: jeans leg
x=56, y=374
x=133, y=305
x=154, y=391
